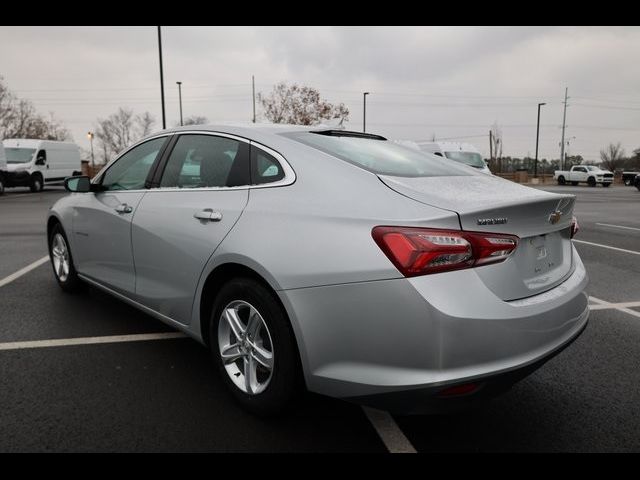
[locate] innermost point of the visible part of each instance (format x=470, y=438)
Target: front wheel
x=253, y=345
x=36, y=184
x=62, y=261
x=591, y=182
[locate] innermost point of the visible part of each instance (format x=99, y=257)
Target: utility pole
x=90, y=136
x=253, y=90
x=180, y=100
x=564, y=119
x=364, y=112
x=164, y=121
x=535, y=168
x=491, y=147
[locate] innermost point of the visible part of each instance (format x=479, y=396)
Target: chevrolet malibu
x=329, y=260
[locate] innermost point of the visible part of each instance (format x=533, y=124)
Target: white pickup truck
x=584, y=173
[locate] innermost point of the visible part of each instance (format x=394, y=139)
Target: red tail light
x=575, y=228
x=421, y=251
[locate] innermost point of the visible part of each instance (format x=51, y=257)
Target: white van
x=459, y=152
x=3, y=168
x=34, y=163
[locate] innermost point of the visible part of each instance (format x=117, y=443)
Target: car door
x=202, y=190
x=580, y=174
x=102, y=220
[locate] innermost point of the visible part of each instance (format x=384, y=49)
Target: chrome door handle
x=208, y=215
x=124, y=208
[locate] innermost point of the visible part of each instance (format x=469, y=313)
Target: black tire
x=285, y=384
x=606, y=184
x=591, y=182
x=71, y=283
x=1, y=185
x=36, y=184
x=561, y=180
x=574, y=184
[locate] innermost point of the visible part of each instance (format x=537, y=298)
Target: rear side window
x=380, y=156
x=264, y=167
x=200, y=161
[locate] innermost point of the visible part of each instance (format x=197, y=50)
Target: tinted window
x=130, y=171
x=199, y=161
x=380, y=156
x=264, y=167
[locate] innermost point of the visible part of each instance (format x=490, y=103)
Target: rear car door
x=201, y=190
x=102, y=220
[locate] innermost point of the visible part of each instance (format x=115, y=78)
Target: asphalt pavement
x=164, y=394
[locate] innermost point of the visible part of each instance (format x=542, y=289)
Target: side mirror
x=80, y=184
x=41, y=161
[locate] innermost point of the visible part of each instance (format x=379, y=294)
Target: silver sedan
x=330, y=260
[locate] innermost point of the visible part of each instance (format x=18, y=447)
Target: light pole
x=164, y=122
x=90, y=136
x=364, y=112
x=535, y=165
x=180, y=97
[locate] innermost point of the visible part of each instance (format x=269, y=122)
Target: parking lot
x=161, y=393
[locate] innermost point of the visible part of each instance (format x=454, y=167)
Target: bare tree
x=496, y=146
x=121, y=129
x=299, y=105
x=19, y=119
x=612, y=156
x=196, y=120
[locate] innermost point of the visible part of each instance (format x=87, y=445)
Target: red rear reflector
x=456, y=390
x=420, y=251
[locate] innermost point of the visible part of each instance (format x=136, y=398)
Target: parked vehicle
x=34, y=163
x=3, y=168
x=460, y=152
x=332, y=260
x=588, y=174
x=629, y=177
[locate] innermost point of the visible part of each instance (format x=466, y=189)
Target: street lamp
x=90, y=136
x=364, y=112
x=535, y=167
x=180, y=97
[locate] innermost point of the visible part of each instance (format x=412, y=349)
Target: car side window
x=264, y=167
x=130, y=171
x=200, y=161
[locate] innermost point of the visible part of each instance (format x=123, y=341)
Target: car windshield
x=379, y=156
x=468, y=158
x=19, y=155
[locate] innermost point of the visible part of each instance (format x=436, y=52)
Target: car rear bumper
x=396, y=342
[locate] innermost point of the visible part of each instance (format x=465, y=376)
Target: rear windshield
x=380, y=156
x=468, y=158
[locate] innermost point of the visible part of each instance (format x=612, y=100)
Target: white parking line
x=389, y=431
x=608, y=246
x=618, y=226
x=22, y=271
x=621, y=307
x=66, y=342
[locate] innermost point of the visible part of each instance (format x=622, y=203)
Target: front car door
x=102, y=220
x=202, y=191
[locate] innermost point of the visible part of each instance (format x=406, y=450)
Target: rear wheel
x=62, y=261
x=36, y=184
x=253, y=345
x=561, y=180
x=591, y=182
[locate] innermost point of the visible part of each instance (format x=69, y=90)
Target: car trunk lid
x=541, y=220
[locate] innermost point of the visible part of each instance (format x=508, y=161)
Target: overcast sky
x=424, y=81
